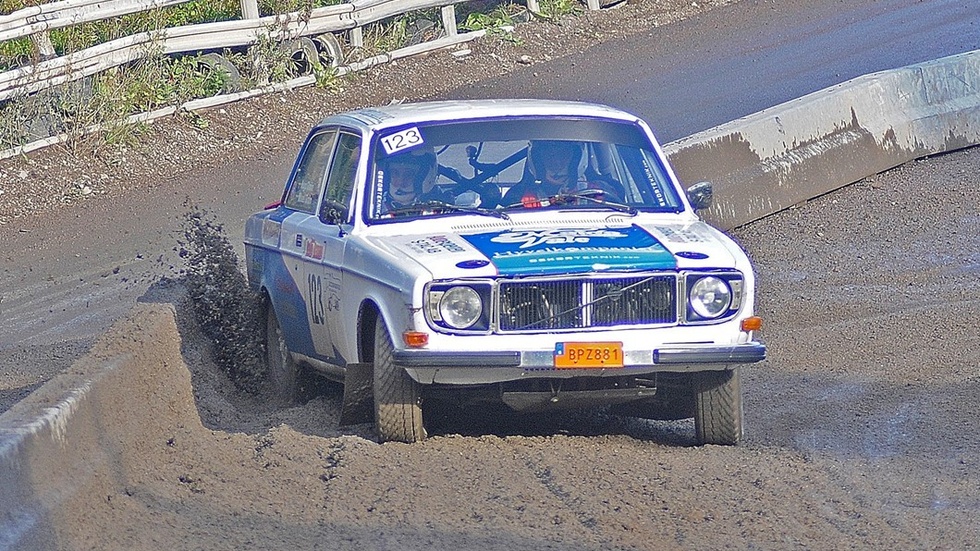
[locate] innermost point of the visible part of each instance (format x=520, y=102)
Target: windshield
x=499, y=166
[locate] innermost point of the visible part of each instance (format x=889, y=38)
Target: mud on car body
x=538, y=253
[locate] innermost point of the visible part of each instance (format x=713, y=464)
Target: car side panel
x=279, y=275
x=384, y=278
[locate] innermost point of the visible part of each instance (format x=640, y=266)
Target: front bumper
x=431, y=366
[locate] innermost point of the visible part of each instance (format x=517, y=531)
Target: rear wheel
x=282, y=370
x=718, y=407
x=397, y=397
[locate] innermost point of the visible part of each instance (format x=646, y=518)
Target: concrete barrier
x=66, y=439
x=74, y=439
x=773, y=159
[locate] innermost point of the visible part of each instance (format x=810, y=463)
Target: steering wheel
x=612, y=190
x=489, y=193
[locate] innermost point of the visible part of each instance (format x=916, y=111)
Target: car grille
x=528, y=305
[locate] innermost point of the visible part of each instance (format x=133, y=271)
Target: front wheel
x=718, y=407
x=397, y=397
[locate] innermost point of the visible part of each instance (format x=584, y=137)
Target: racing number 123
x=401, y=140
x=315, y=299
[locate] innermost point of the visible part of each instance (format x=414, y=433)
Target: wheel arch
x=367, y=316
x=265, y=303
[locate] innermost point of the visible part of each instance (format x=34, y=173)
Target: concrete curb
x=759, y=164
x=72, y=438
x=773, y=159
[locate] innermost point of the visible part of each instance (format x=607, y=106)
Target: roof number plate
x=402, y=140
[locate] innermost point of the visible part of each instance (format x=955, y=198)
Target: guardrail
x=187, y=38
x=294, y=27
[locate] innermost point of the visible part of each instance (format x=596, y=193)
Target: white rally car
x=536, y=253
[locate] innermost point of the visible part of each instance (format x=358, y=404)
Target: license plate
x=588, y=355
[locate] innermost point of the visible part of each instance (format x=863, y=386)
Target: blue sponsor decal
x=290, y=304
x=573, y=250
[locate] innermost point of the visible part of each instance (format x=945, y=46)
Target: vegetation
x=494, y=20
x=107, y=99
x=556, y=9
x=156, y=81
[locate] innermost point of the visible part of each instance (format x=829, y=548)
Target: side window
x=308, y=180
x=340, y=181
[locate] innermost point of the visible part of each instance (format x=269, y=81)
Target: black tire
x=397, y=398
x=281, y=369
x=231, y=78
x=718, y=407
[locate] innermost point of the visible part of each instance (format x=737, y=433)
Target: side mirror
x=699, y=195
x=333, y=213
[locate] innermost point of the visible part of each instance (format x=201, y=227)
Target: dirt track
x=861, y=425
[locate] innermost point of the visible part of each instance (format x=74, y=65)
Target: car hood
x=566, y=250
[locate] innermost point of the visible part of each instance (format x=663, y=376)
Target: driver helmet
x=557, y=157
x=419, y=161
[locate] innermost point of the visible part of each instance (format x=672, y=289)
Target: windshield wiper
x=592, y=196
x=443, y=206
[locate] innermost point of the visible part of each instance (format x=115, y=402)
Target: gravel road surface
x=861, y=425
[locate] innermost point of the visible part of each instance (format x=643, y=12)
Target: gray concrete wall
x=73, y=439
x=771, y=160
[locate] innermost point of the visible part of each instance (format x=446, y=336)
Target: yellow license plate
x=588, y=355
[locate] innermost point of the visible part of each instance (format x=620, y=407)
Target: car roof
x=376, y=118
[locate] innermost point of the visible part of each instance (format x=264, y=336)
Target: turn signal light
x=753, y=323
x=415, y=339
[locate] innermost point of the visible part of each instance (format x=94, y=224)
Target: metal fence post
x=43, y=44
x=250, y=9
x=449, y=19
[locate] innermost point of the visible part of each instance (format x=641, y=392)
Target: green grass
x=159, y=81
x=556, y=9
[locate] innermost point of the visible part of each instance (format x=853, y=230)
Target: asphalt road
x=67, y=277
x=742, y=58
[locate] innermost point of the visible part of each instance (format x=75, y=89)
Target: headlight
x=460, y=307
x=710, y=297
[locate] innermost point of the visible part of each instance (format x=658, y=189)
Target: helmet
x=541, y=152
x=423, y=159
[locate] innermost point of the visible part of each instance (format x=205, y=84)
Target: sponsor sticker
x=573, y=250
x=689, y=234
x=531, y=239
x=434, y=244
x=313, y=249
